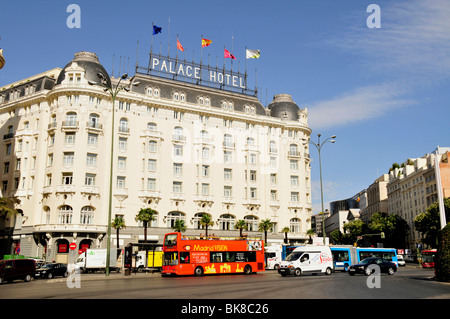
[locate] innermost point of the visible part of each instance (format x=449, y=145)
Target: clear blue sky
x=383, y=91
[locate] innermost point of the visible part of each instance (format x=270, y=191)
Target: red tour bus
x=185, y=255
x=428, y=258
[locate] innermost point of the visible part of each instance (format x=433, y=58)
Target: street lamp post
x=113, y=91
x=319, y=145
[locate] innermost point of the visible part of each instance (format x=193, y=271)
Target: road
x=407, y=283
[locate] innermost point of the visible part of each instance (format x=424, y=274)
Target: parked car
x=401, y=261
x=51, y=270
x=362, y=267
x=13, y=269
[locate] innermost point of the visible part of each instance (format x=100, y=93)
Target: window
x=294, y=197
x=227, y=157
x=89, y=180
x=177, y=187
x=205, y=189
x=94, y=121
x=92, y=139
x=273, y=179
x=251, y=223
x=151, y=165
x=122, y=163
x=87, y=215
x=67, y=178
x=91, y=160
x=226, y=222
x=178, y=169
x=6, y=168
x=272, y=147
x=227, y=191
x=71, y=119
x=178, y=134
x=253, y=176
x=227, y=174
x=273, y=195
x=178, y=150
x=123, y=143
x=123, y=126
x=253, y=192
x=68, y=158
x=293, y=150
x=205, y=153
x=152, y=146
x=120, y=182
x=227, y=140
x=65, y=214
x=172, y=217
x=295, y=225
x=205, y=170
x=151, y=126
x=151, y=184
x=253, y=159
x=294, y=165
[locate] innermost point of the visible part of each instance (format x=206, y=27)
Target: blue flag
x=156, y=30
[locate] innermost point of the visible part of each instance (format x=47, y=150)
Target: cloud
x=358, y=105
x=410, y=50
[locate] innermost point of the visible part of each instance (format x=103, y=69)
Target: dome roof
x=89, y=62
x=284, y=107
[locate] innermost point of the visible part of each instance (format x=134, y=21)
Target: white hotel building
x=181, y=148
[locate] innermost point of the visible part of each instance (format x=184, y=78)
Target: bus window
x=170, y=259
x=340, y=255
x=170, y=240
x=184, y=258
x=230, y=257
x=216, y=258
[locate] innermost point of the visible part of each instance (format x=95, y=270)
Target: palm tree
x=146, y=215
x=241, y=225
x=118, y=223
x=286, y=230
x=265, y=225
x=206, y=221
x=6, y=212
x=179, y=226
x=310, y=232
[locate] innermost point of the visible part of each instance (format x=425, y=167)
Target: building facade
x=180, y=148
x=412, y=188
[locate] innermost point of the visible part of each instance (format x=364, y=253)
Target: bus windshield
x=171, y=240
x=170, y=259
x=294, y=256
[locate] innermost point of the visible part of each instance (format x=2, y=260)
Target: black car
x=386, y=266
x=51, y=270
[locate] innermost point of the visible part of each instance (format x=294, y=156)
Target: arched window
x=293, y=150
x=93, y=120
x=71, y=119
x=250, y=141
x=178, y=133
x=87, y=215
x=204, y=134
x=295, y=225
x=123, y=125
x=227, y=222
x=152, y=146
x=151, y=126
x=172, y=217
x=251, y=222
x=65, y=213
x=197, y=218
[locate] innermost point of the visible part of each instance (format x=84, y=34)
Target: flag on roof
x=206, y=42
x=227, y=54
x=252, y=54
x=179, y=46
x=156, y=29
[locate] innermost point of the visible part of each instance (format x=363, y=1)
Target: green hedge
x=442, y=262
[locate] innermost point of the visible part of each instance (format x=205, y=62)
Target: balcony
x=178, y=138
x=94, y=126
x=69, y=125
x=294, y=153
x=44, y=228
x=90, y=190
x=8, y=136
x=65, y=189
x=229, y=145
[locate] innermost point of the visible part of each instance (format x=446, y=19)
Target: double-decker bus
x=184, y=255
x=428, y=258
x=344, y=256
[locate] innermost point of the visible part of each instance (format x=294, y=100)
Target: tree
x=393, y=226
x=286, y=230
x=336, y=237
x=6, y=212
x=428, y=222
x=241, y=225
x=352, y=230
x=179, y=226
x=206, y=221
x=442, y=265
x=310, y=233
x=146, y=215
x=264, y=226
x=118, y=223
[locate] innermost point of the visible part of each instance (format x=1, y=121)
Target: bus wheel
x=276, y=267
x=346, y=267
x=328, y=271
x=198, y=271
x=248, y=270
x=297, y=272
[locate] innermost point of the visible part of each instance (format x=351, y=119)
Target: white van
x=304, y=259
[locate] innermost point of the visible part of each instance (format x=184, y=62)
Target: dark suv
x=13, y=269
x=51, y=270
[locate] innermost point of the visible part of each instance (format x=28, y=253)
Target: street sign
x=73, y=246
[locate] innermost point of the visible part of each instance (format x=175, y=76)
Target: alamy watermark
x=74, y=276
x=374, y=20
x=74, y=19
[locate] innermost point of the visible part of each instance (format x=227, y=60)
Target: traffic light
x=382, y=235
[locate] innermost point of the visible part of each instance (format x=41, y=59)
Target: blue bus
x=344, y=256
